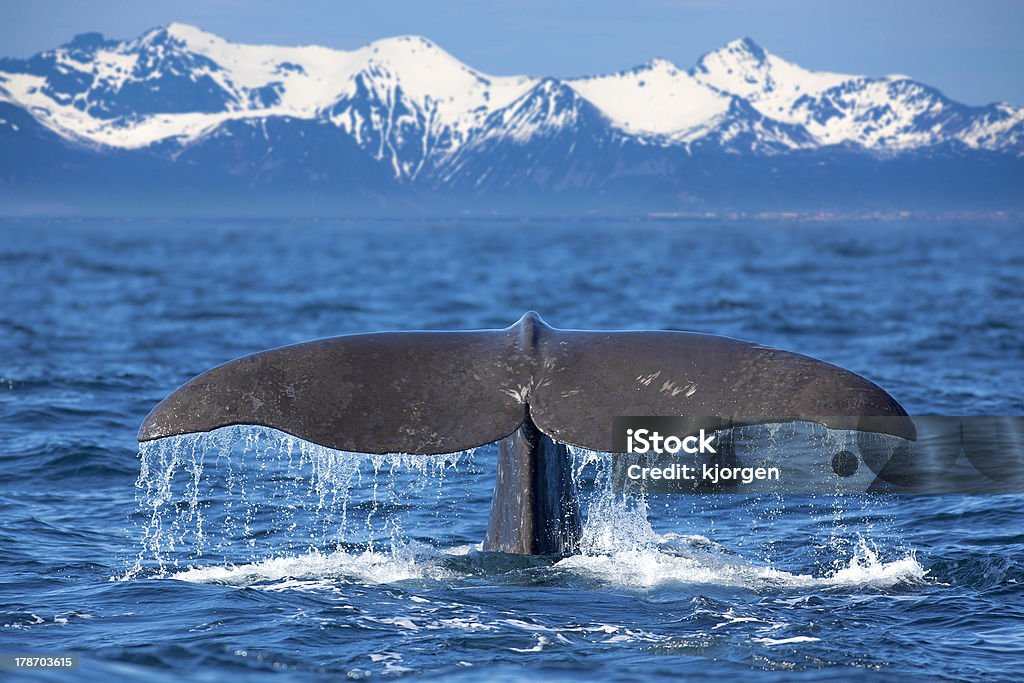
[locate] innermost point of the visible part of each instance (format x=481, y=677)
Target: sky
x=972, y=50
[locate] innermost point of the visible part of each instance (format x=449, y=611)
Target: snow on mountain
x=742, y=128
x=72, y=89
x=548, y=108
x=744, y=69
x=551, y=138
x=657, y=98
x=895, y=113
x=996, y=127
x=413, y=107
x=887, y=114
x=410, y=102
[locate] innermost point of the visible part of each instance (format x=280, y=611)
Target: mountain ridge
x=415, y=118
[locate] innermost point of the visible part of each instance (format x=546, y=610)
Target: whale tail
x=530, y=386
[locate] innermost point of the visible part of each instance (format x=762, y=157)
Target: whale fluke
x=392, y=392
x=532, y=385
x=442, y=392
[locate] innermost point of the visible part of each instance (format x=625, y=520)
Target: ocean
x=250, y=555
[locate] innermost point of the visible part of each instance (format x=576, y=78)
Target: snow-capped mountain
x=179, y=82
x=886, y=114
x=403, y=113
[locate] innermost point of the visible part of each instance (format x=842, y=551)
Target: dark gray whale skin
x=530, y=386
x=534, y=509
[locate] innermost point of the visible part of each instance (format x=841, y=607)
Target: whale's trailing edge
x=530, y=385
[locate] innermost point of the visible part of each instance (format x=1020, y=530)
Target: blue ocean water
x=259, y=558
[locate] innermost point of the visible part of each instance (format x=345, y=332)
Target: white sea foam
x=654, y=567
x=786, y=641
x=306, y=570
x=642, y=569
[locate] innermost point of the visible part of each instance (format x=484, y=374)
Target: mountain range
x=183, y=118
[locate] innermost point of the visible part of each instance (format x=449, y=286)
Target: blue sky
x=970, y=49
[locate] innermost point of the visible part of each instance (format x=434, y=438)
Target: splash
x=266, y=492
x=256, y=507
x=620, y=547
x=612, y=520
x=698, y=560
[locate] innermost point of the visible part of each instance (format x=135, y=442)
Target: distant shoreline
x=496, y=217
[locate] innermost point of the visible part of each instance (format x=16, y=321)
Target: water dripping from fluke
x=239, y=493
x=256, y=507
